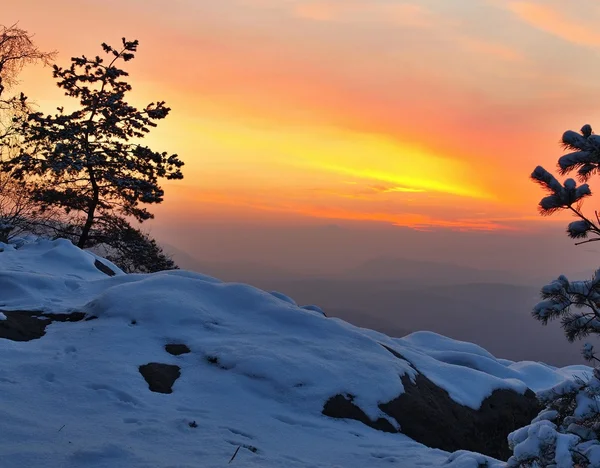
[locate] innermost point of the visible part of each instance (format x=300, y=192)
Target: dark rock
x=428, y=415
x=72, y=317
x=160, y=377
x=103, y=268
x=177, y=349
x=341, y=406
x=23, y=325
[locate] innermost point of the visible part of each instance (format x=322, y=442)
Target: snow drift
x=259, y=371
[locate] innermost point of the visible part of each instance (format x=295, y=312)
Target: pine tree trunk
x=85, y=233
x=86, y=228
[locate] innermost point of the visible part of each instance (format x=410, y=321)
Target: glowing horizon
x=416, y=114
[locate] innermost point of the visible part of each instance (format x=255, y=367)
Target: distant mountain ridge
x=376, y=269
x=418, y=270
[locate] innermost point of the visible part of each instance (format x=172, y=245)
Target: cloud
x=256, y=202
x=404, y=14
x=349, y=11
x=448, y=105
x=556, y=22
x=375, y=191
x=395, y=188
x=403, y=181
x=492, y=50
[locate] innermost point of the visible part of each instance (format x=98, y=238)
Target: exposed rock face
x=30, y=325
x=160, y=377
x=103, y=268
x=342, y=406
x=428, y=415
x=177, y=349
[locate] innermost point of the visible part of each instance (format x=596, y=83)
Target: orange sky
x=425, y=113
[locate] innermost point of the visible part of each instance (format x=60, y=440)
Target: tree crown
x=89, y=161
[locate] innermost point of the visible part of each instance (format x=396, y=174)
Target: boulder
x=427, y=414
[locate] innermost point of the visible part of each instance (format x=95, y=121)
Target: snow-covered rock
x=255, y=380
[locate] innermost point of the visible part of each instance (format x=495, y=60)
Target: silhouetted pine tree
x=567, y=432
x=575, y=303
x=89, y=162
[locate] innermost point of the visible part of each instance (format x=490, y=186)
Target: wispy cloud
x=404, y=14
x=395, y=188
x=409, y=14
x=397, y=217
x=418, y=101
x=557, y=22
x=491, y=50
x=402, y=182
x=362, y=191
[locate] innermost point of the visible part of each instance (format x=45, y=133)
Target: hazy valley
x=491, y=308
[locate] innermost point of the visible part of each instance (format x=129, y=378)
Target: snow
x=259, y=372
x=532, y=441
x=314, y=308
x=283, y=297
x=465, y=459
x=449, y=364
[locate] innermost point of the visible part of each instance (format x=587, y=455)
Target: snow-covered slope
x=258, y=374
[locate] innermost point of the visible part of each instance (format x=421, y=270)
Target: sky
x=422, y=115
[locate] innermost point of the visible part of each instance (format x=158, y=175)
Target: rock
x=427, y=414
x=342, y=406
x=72, y=317
x=160, y=377
x=177, y=349
x=103, y=268
x=23, y=325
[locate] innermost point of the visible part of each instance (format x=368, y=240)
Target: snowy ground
x=259, y=372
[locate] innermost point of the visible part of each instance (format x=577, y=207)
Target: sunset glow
x=428, y=114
